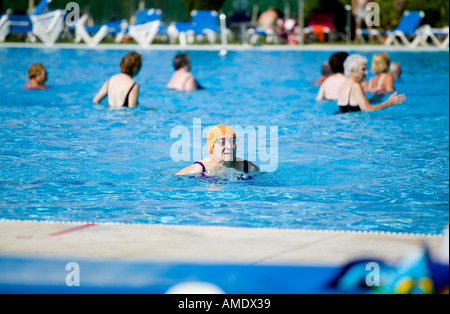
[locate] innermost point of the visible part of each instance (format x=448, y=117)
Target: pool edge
x=204, y=244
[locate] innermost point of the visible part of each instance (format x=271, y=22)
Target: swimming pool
x=64, y=159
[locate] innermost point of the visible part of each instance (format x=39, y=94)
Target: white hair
x=352, y=62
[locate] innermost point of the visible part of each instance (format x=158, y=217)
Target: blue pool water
x=64, y=159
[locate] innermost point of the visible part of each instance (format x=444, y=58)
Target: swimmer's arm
x=103, y=92
x=365, y=105
x=191, y=170
x=134, y=95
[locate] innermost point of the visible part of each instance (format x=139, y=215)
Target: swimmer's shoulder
x=193, y=169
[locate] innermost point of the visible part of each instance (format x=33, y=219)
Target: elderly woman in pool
x=351, y=96
x=121, y=89
x=222, y=147
x=38, y=76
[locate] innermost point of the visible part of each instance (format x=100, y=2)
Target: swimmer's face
x=361, y=74
x=225, y=148
x=41, y=77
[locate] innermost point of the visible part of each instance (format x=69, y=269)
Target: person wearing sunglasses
x=222, y=145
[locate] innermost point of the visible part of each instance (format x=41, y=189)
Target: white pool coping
x=198, y=244
x=234, y=47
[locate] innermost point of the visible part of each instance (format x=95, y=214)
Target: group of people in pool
x=344, y=82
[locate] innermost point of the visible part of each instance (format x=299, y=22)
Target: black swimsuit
x=246, y=167
x=125, y=104
x=349, y=108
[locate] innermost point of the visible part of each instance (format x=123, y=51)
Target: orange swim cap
x=215, y=132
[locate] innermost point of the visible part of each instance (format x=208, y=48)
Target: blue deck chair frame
x=147, y=26
x=204, y=23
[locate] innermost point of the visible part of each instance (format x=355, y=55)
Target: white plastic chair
x=147, y=26
x=4, y=27
x=48, y=27
x=99, y=32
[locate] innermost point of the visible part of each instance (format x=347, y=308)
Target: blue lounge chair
x=93, y=35
x=148, y=24
x=405, y=29
x=45, y=26
x=204, y=23
x=270, y=34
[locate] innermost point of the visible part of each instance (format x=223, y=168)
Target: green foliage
x=436, y=11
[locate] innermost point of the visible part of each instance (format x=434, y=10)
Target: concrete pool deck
x=194, y=244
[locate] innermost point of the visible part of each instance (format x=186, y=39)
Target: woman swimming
x=222, y=145
x=121, y=89
x=351, y=93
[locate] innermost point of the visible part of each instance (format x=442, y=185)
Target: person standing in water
x=121, y=89
x=182, y=79
x=351, y=92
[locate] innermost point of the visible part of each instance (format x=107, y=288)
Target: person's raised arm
x=103, y=92
x=365, y=105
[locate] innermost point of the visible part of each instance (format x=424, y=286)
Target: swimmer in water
x=329, y=88
x=182, y=79
x=38, y=76
x=383, y=82
x=222, y=144
x=395, y=69
x=121, y=89
x=351, y=92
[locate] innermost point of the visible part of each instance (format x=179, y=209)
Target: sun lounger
x=426, y=33
x=405, y=30
x=45, y=26
x=204, y=23
x=93, y=35
x=147, y=26
x=270, y=35
x=5, y=24
x=49, y=26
